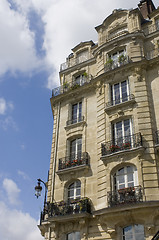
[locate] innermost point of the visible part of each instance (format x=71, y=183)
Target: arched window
x=125, y=177
x=73, y=236
x=74, y=190
x=135, y=232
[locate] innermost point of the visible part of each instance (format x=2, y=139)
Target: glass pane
x=78, y=192
x=78, y=184
x=74, y=113
x=127, y=233
x=127, y=127
x=80, y=112
x=129, y=169
x=70, y=236
x=124, y=91
x=77, y=236
x=139, y=232
x=130, y=177
x=119, y=130
x=116, y=93
x=121, y=179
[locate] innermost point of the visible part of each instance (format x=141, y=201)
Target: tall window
x=74, y=190
x=125, y=177
x=77, y=112
x=115, y=56
x=135, y=232
x=80, y=79
x=122, y=132
x=120, y=92
x=76, y=149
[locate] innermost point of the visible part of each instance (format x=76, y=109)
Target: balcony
x=63, y=208
x=151, y=29
x=116, y=102
x=110, y=65
x=70, y=86
x=122, y=144
x=74, y=121
x=152, y=54
x=125, y=196
x=78, y=161
x=74, y=61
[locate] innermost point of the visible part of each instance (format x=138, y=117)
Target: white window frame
x=76, y=153
x=133, y=233
x=112, y=92
x=127, y=183
x=117, y=54
x=76, y=186
x=78, y=115
x=123, y=136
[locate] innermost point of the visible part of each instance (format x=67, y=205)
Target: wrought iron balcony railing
x=70, y=86
x=157, y=137
x=121, y=144
x=63, y=208
x=152, y=54
x=120, y=100
x=74, y=61
x=116, y=64
x=73, y=161
x=151, y=29
x=125, y=196
x=76, y=120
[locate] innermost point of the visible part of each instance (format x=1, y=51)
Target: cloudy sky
x=35, y=37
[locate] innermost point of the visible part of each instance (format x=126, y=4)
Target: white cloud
x=17, y=225
x=66, y=23
x=3, y=106
x=12, y=191
x=17, y=45
x=7, y=123
x=23, y=175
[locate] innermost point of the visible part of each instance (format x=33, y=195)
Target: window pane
x=124, y=91
x=77, y=236
x=116, y=93
x=127, y=127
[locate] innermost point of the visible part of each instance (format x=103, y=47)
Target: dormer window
x=82, y=56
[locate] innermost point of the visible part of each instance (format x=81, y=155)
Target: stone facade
x=103, y=179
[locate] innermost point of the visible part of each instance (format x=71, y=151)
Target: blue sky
x=36, y=36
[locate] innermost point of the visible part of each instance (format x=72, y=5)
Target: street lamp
x=38, y=190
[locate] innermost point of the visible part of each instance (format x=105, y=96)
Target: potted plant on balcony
x=109, y=62
x=85, y=74
x=122, y=59
x=114, y=148
x=126, y=145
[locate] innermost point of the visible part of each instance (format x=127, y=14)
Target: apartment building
x=103, y=179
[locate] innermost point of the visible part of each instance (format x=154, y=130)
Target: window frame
x=133, y=233
x=76, y=116
x=76, y=148
x=121, y=99
x=74, y=187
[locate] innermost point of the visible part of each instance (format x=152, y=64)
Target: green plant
x=85, y=74
x=65, y=84
x=109, y=61
x=122, y=58
x=75, y=86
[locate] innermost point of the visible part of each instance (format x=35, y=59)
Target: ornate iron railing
x=125, y=196
x=76, y=120
x=116, y=64
x=152, y=54
x=150, y=29
x=63, y=208
x=73, y=161
x=74, y=61
x=157, y=137
x=120, y=100
x=70, y=86
x=121, y=144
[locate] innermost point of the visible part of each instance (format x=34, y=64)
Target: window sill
x=73, y=169
x=108, y=158
x=108, y=109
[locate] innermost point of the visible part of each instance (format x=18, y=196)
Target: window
x=76, y=149
x=82, y=56
x=77, y=112
x=157, y=24
x=120, y=92
x=74, y=191
x=125, y=177
x=116, y=56
x=135, y=232
x=80, y=80
x=122, y=133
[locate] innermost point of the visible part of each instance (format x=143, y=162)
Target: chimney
x=146, y=7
